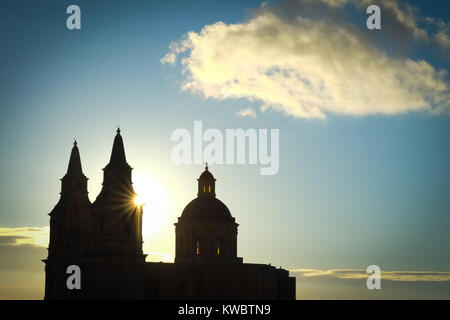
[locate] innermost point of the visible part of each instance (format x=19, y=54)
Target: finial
x=118, y=129
x=75, y=142
x=206, y=167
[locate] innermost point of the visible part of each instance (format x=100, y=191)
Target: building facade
x=104, y=239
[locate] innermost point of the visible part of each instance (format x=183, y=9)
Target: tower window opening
x=197, y=249
x=219, y=247
x=204, y=188
x=209, y=189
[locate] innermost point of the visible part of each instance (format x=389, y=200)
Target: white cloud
x=409, y=276
x=305, y=68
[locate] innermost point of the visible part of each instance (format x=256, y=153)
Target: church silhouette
x=104, y=239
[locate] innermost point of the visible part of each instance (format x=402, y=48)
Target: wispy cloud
x=293, y=65
x=403, y=15
x=409, y=276
x=248, y=112
x=401, y=18
x=38, y=236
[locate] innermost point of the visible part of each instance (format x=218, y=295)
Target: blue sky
x=352, y=189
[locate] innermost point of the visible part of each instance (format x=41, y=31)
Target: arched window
x=204, y=188
x=209, y=189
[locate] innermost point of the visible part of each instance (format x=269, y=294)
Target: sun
x=153, y=197
x=140, y=199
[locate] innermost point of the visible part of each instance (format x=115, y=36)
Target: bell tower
x=118, y=270
x=70, y=227
x=117, y=218
x=70, y=218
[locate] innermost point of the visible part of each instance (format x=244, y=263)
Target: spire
x=73, y=185
x=118, y=151
x=74, y=167
x=117, y=185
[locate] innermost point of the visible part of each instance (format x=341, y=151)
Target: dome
x=206, y=209
x=206, y=175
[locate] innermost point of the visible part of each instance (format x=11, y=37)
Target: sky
x=363, y=120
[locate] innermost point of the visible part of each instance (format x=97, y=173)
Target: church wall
x=217, y=281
